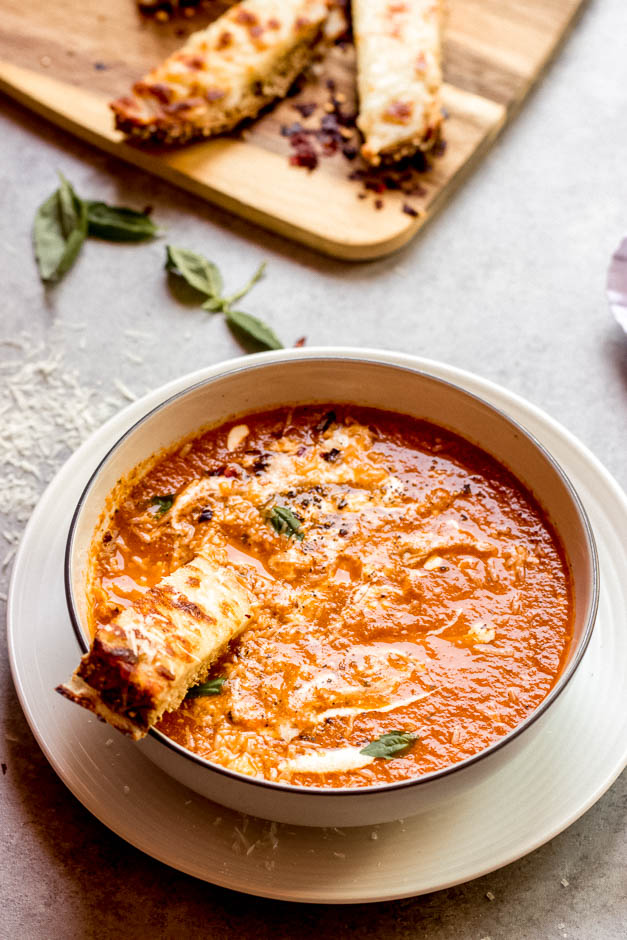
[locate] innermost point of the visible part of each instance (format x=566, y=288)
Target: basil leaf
x=392, y=744
x=118, y=224
x=259, y=273
x=252, y=330
x=163, y=502
x=201, y=274
x=285, y=522
x=211, y=687
x=59, y=231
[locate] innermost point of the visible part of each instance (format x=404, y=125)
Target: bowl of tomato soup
x=417, y=576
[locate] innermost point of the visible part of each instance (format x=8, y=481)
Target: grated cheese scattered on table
x=45, y=414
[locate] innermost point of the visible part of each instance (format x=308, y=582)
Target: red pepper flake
x=378, y=203
x=409, y=210
x=304, y=151
x=300, y=342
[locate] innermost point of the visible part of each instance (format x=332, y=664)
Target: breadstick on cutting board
x=228, y=72
x=399, y=76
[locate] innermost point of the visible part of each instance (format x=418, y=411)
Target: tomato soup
x=413, y=603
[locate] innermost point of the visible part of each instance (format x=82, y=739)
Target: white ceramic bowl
x=295, y=376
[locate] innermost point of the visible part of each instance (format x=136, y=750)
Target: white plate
x=581, y=751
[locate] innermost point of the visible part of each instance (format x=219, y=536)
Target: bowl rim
x=340, y=355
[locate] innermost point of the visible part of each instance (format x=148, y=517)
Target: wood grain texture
x=67, y=60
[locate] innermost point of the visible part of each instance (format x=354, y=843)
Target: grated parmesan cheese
x=45, y=414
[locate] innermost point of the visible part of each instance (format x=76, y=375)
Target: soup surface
x=406, y=582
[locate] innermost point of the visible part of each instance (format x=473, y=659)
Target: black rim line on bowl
x=561, y=684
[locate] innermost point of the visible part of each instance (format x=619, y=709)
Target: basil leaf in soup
x=392, y=744
x=285, y=522
x=211, y=687
x=163, y=502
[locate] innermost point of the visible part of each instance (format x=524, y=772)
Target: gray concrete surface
x=509, y=282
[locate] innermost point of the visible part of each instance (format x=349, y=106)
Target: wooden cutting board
x=66, y=59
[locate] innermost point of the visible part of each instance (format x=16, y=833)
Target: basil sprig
x=392, y=744
x=59, y=231
x=211, y=687
x=64, y=220
x=205, y=278
x=118, y=224
x=285, y=522
x=163, y=502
